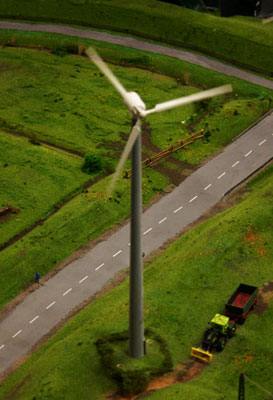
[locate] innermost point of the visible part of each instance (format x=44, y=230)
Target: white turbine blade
x=128, y=147
x=190, y=99
x=107, y=72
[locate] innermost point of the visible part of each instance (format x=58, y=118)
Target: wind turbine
x=138, y=111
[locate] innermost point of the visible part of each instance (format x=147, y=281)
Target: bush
x=59, y=50
x=92, y=163
x=132, y=381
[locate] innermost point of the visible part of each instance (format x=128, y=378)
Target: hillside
x=243, y=41
x=184, y=287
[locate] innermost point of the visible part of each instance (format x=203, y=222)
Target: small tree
x=92, y=163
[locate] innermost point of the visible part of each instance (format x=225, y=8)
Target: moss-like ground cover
x=242, y=40
x=184, y=287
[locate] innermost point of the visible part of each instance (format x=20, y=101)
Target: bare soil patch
x=183, y=372
x=180, y=169
x=6, y=212
x=265, y=297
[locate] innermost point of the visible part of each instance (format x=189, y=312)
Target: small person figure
x=37, y=277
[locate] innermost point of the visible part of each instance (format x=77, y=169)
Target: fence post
x=241, y=394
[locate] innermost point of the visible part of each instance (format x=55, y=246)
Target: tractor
x=215, y=337
x=217, y=334
x=222, y=327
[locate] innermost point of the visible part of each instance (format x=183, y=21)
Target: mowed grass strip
x=184, y=287
x=34, y=181
x=78, y=222
x=234, y=39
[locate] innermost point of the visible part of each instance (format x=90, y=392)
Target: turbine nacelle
x=135, y=104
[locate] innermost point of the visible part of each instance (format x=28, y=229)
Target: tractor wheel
x=221, y=343
x=207, y=339
x=231, y=329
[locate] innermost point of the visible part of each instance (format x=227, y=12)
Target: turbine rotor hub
x=135, y=104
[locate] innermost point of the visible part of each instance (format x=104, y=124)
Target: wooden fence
x=150, y=161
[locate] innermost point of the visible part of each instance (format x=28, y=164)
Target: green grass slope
x=65, y=101
x=34, y=180
x=184, y=287
x=244, y=41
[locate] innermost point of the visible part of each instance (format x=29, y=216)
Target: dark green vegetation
x=64, y=101
x=240, y=40
x=92, y=163
x=133, y=375
x=205, y=264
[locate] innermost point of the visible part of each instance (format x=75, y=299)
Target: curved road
x=44, y=308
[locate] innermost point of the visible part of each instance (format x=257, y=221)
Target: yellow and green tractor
x=215, y=337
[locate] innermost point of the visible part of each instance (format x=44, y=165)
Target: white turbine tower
x=138, y=110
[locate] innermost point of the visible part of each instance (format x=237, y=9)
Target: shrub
x=132, y=381
x=92, y=163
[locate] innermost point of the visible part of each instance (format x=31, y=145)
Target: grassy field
x=34, y=180
x=234, y=39
x=66, y=102
x=63, y=99
x=205, y=264
x=81, y=220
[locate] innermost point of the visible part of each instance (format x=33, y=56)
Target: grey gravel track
x=50, y=303
x=141, y=45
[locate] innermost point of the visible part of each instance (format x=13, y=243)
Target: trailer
x=242, y=301
x=222, y=327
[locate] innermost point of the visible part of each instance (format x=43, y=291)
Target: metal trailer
x=241, y=302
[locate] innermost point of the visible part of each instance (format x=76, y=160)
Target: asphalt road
x=50, y=303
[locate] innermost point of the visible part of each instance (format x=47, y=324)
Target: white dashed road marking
x=148, y=230
x=1, y=347
x=195, y=197
x=65, y=293
x=209, y=185
x=234, y=165
x=99, y=266
x=247, y=154
x=221, y=176
x=34, y=319
x=17, y=333
x=162, y=220
x=117, y=253
x=262, y=142
x=83, y=279
x=50, y=305
x=178, y=209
